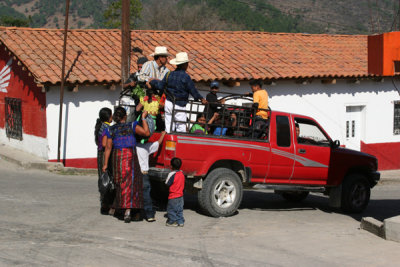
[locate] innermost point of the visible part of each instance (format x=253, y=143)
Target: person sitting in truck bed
x=228, y=126
x=199, y=127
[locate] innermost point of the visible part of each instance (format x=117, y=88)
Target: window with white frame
x=396, y=120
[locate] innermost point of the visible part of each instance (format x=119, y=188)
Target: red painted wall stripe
x=84, y=163
x=388, y=154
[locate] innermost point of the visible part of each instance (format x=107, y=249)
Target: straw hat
x=160, y=51
x=181, y=57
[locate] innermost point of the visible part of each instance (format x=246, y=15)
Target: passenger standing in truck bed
x=260, y=96
x=212, y=98
x=178, y=86
x=260, y=100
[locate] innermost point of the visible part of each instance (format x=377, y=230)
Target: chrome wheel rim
x=224, y=194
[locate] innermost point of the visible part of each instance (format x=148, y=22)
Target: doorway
x=354, y=126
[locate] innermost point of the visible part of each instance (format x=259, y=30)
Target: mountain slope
x=311, y=16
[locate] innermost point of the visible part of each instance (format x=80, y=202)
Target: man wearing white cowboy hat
x=178, y=86
x=156, y=68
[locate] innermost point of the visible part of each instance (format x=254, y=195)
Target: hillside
x=312, y=16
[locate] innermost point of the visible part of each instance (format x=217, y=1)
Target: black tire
x=356, y=193
x=295, y=196
x=229, y=196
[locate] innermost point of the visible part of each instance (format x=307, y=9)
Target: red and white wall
x=360, y=115
x=16, y=83
x=80, y=111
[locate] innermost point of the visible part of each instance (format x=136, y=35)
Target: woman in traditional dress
x=103, y=122
x=120, y=145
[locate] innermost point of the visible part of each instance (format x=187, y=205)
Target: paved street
x=48, y=219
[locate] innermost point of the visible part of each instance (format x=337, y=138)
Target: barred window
x=13, y=118
x=396, y=122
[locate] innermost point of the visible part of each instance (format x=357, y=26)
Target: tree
x=10, y=21
x=113, y=14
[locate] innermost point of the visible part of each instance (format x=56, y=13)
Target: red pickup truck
x=295, y=157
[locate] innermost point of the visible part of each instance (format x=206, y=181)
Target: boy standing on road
x=176, y=183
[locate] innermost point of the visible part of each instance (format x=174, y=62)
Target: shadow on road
x=378, y=209
x=269, y=201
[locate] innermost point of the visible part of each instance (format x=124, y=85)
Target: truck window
x=282, y=131
x=308, y=133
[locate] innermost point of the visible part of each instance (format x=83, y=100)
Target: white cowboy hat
x=160, y=51
x=181, y=57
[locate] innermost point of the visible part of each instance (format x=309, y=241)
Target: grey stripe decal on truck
x=209, y=142
x=304, y=161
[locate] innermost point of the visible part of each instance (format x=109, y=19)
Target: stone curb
x=389, y=229
x=56, y=167
x=373, y=226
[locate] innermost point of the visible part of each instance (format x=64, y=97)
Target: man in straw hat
x=178, y=86
x=156, y=68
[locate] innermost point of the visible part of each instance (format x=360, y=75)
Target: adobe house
x=348, y=83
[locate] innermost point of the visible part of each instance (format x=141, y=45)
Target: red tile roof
x=216, y=55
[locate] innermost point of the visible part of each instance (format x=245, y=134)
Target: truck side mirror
x=335, y=144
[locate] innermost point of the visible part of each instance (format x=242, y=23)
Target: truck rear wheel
x=295, y=196
x=221, y=194
x=355, y=193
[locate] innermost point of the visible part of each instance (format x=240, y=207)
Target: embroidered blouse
x=122, y=135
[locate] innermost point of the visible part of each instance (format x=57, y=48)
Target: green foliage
x=113, y=14
x=10, y=21
x=37, y=20
x=11, y=12
x=10, y=17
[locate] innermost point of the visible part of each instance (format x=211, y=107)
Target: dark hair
x=176, y=163
x=119, y=114
x=149, y=94
x=200, y=116
x=104, y=115
x=296, y=125
x=141, y=60
x=156, y=57
x=254, y=82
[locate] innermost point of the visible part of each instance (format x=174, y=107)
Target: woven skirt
x=127, y=178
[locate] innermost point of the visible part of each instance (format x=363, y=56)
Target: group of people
x=124, y=147
x=119, y=155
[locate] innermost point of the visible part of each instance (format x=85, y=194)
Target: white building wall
x=324, y=102
x=80, y=111
x=29, y=143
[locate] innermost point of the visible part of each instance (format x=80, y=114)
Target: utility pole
x=125, y=41
x=62, y=79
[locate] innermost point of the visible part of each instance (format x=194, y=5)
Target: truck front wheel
x=355, y=193
x=221, y=194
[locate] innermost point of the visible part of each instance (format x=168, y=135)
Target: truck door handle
x=302, y=151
